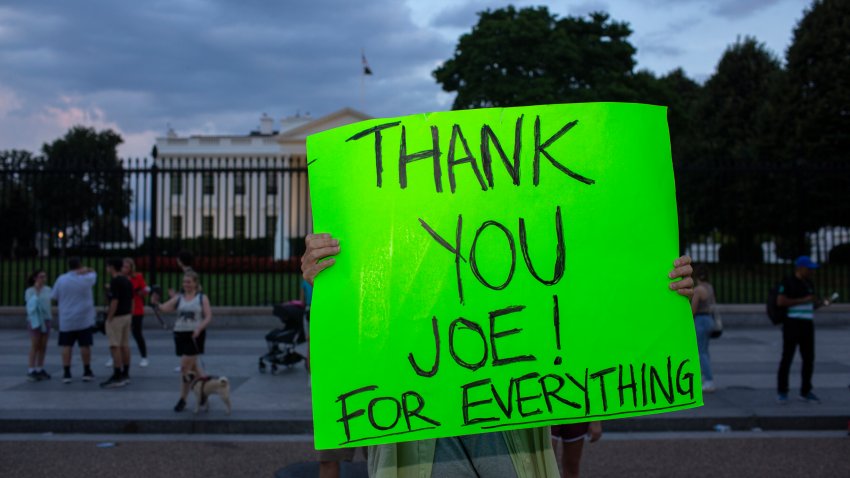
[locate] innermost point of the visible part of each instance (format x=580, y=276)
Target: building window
x=239, y=184
x=177, y=227
x=207, y=226
x=271, y=226
x=271, y=183
x=176, y=184
x=208, y=183
x=239, y=227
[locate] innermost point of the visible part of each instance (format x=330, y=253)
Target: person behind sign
x=193, y=317
x=523, y=453
x=702, y=305
x=571, y=440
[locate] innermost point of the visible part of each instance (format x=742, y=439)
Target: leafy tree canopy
x=84, y=182
x=530, y=56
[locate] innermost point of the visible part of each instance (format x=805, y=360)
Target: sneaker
x=113, y=382
x=108, y=363
x=143, y=362
x=708, y=387
x=88, y=376
x=33, y=377
x=782, y=398
x=43, y=374
x=126, y=379
x=810, y=398
x=181, y=404
x=66, y=378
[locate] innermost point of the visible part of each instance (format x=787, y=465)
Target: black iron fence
x=748, y=222
x=245, y=221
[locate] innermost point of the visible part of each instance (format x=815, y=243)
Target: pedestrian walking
x=702, y=306
x=73, y=293
x=140, y=291
x=193, y=317
x=797, y=294
x=37, y=298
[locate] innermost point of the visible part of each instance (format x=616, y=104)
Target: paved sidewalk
x=744, y=360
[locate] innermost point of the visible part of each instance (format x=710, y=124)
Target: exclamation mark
x=557, y=317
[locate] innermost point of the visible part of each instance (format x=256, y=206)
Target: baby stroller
x=282, y=341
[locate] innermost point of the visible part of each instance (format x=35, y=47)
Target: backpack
x=775, y=313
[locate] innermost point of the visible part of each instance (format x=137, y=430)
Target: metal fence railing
x=747, y=224
x=245, y=222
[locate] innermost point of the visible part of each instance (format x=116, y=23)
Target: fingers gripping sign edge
x=317, y=258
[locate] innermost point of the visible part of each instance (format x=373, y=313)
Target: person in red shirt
x=140, y=291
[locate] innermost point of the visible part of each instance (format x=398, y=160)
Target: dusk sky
x=213, y=67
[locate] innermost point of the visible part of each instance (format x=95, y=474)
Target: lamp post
x=61, y=236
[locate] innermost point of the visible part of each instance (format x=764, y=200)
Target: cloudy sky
x=214, y=66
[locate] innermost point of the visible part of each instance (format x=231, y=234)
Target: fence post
x=154, y=217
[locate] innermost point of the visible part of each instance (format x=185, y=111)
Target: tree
x=530, y=56
x=17, y=234
x=83, y=185
x=816, y=92
x=733, y=189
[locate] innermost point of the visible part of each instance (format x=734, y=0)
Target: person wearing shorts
x=73, y=293
x=570, y=439
x=37, y=298
x=194, y=315
x=118, y=319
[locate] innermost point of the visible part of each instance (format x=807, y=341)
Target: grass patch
x=223, y=289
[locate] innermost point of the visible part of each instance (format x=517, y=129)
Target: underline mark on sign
x=601, y=415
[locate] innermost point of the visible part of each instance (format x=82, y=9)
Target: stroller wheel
x=262, y=366
x=274, y=369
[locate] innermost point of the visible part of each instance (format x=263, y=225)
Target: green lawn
x=741, y=284
x=734, y=283
x=223, y=289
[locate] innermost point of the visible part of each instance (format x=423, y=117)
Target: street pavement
x=617, y=455
x=274, y=413
x=744, y=362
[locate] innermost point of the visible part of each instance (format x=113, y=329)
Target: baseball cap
x=806, y=261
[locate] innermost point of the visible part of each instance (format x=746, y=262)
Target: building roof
x=291, y=139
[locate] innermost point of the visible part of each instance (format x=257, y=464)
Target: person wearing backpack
x=796, y=293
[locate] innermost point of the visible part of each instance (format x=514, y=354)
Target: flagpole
x=363, y=80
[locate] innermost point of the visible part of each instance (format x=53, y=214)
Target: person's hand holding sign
x=320, y=246
x=682, y=268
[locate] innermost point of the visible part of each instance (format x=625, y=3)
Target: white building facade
x=232, y=187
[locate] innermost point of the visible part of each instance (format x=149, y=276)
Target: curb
x=736, y=423
x=260, y=426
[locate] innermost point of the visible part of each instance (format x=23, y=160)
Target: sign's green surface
x=499, y=268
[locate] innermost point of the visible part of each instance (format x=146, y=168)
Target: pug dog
x=203, y=387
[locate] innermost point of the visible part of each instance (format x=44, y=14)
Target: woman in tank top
x=193, y=317
x=702, y=305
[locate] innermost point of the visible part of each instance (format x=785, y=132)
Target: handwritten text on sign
x=500, y=268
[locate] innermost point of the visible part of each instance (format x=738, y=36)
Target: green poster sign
x=499, y=268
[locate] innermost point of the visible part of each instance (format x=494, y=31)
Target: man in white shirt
x=73, y=292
